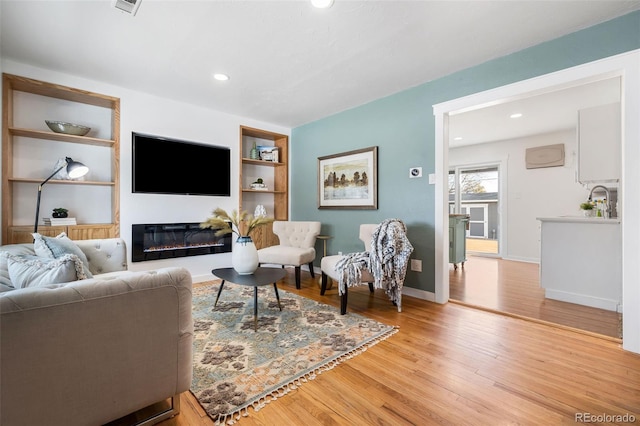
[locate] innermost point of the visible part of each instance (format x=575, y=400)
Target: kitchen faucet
x=608, y=199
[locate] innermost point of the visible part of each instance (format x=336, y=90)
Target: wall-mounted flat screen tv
x=163, y=165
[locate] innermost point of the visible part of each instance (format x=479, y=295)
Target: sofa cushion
x=285, y=255
x=36, y=271
x=57, y=247
x=4, y=287
x=16, y=249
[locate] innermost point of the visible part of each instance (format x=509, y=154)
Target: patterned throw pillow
x=57, y=247
x=35, y=271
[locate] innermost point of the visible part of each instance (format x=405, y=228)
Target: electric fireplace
x=171, y=240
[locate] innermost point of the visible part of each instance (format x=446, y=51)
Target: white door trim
x=627, y=66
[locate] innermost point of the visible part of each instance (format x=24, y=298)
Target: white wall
x=530, y=193
x=149, y=114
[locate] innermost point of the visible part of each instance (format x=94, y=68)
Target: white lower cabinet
x=581, y=261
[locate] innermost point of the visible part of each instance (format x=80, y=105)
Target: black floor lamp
x=74, y=170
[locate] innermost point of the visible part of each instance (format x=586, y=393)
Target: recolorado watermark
x=604, y=418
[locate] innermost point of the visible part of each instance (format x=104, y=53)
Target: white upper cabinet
x=599, y=142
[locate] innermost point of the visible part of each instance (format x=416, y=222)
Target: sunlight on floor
x=482, y=245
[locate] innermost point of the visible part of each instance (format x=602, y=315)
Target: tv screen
x=170, y=166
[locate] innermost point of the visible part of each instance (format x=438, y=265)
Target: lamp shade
x=75, y=169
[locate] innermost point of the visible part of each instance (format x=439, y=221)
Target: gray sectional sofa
x=91, y=350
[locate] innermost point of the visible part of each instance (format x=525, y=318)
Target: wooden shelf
x=12, y=233
x=264, y=191
x=262, y=163
x=63, y=182
x=24, y=84
x=276, y=175
x=83, y=231
x=60, y=137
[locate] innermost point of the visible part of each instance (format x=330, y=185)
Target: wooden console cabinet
x=275, y=174
x=30, y=150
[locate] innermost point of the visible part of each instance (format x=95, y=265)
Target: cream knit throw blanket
x=387, y=261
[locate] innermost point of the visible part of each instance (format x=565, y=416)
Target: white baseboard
x=202, y=278
x=419, y=294
x=522, y=259
x=580, y=299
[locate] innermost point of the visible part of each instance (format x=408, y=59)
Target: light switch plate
x=432, y=178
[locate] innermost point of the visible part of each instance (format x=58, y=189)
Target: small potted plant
x=587, y=208
x=60, y=212
x=258, y=184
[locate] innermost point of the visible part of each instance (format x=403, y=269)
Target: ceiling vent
x=128, y=6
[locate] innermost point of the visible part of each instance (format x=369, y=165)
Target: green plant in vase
x=587, y=208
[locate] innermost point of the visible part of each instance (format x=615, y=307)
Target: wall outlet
x=339, y=253
x=416, y=265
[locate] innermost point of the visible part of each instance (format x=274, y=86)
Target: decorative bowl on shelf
x=67, y=128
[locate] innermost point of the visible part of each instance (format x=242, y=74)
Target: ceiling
x=289, y=63
x=553, y=111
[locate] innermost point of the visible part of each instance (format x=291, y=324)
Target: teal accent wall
x=402, y=126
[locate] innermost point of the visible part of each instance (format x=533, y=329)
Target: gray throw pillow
x=57, y=247
x=35, y=271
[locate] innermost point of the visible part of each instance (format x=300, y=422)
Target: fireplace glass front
x=171, y=240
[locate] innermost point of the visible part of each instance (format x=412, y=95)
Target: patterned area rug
x=236, y=368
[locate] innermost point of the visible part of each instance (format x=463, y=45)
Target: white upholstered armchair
x=383, y=264
x=296, y=248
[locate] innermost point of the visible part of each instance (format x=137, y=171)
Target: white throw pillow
x=54, y=248
x=35, y=271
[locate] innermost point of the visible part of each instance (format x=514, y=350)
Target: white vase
x=244, y=257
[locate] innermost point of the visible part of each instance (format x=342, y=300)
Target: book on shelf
x=268, y=153
x=57, y=221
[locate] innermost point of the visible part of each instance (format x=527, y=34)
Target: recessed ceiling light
x=457, y=138
x=322, y=4
x=221, y=77
x=516, y=115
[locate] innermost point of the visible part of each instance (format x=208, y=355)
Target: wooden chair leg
x=298, y=277
x=343, y=302
x=323, y=287
x=311, y=271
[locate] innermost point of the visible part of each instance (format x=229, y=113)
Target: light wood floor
x=481, y=245
x=514, y=288
x=453, y=365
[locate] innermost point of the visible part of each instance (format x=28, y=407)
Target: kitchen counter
x=581, y=261
x=581, y=219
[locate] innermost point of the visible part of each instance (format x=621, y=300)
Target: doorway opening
x=474, y=191
x=625, y=65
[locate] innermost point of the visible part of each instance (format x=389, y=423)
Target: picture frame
x=349, y=180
